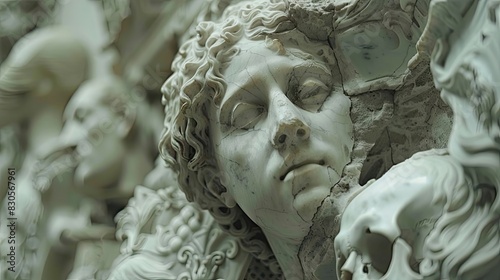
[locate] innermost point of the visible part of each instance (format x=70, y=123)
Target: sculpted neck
x=286, y=252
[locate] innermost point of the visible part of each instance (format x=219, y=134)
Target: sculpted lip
x=295, y=166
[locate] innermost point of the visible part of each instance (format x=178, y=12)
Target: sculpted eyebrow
x=238, y=93
x=308, y=67
x=311, y=65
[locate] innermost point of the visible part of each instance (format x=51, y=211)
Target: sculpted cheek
x=240, y=172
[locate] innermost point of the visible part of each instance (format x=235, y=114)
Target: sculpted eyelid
x=313, y=66
x=224, y=114
x=244, y=115
x=311, y=82
x=227, y=107
x=321, y=79
x=240, y=106
x=236, y=93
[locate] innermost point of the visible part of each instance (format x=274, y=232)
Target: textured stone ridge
x=313, y=18
x=396, y=111
x=390, y=126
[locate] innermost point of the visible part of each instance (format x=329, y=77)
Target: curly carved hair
x=474, y=95
x=196, y=85
x=465, y=241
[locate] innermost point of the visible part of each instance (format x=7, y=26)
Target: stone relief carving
x=459, y=238
x=303, y=140
x=242, y=115
x=178, y=240
x=105, y=123
x=36, y=80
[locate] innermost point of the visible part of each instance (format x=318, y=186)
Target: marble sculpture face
x=281, y=136
x=96, y=129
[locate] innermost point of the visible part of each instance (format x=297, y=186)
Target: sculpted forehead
x=258, y=57
x=93, y=93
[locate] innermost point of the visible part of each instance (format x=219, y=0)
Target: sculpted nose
x=290, y=131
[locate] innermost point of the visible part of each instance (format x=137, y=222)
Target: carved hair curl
x=465, y=241
x=196, y=86
x=474, y=95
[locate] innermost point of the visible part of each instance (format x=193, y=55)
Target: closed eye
x=245, y=115
x=311, y=94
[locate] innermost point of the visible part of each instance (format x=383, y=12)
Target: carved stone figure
x=303, y=140
x=110, y=132
x=269, y=121
x=36, y=80
x=384, y=228
x=166, y=237
x=104, y=145
x=235, y=108
x=40, y=75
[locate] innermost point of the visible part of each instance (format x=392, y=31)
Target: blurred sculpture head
x=107, y=132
